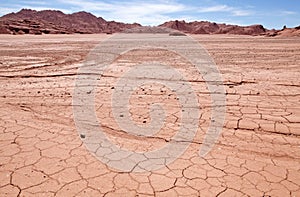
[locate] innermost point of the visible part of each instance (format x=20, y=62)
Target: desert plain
x=257, y=153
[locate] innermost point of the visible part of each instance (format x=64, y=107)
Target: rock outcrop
x=29, y=21
x=285, y=32
x=205, y=27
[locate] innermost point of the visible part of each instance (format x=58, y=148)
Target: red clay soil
x=257, y=153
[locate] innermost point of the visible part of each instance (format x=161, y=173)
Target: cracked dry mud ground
x=257, y=154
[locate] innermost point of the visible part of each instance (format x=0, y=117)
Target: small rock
x=82, y=136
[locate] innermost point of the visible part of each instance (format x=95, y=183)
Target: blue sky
x=270, y=13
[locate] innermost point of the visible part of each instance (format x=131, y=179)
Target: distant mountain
x=29, y=21
x=56, y=22
x=205, y=27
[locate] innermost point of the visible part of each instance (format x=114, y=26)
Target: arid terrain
x=28, y=21
x=257, y=153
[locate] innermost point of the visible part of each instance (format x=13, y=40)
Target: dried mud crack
x=257, y=154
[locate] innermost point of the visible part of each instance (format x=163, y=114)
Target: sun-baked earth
x=257, y=154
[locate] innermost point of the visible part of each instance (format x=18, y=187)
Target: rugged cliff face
x=56, y=22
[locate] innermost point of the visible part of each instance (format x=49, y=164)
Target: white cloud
x=135, y=7
x=288, y=12
x=241, y=12
x=224, y=8
x=218, y=8
x=34, y=2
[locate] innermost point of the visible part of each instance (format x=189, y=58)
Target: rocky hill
x=285, y=32
x=29, y=21
x=205, y=27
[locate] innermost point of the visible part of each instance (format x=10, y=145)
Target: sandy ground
x=257, y=154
